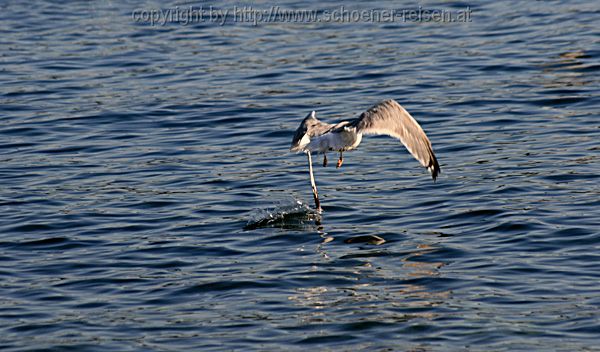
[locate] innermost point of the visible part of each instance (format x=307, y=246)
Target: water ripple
x=149, y=200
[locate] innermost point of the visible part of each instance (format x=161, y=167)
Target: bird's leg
x=312, y=183
x=340, y=160
x=324, y=159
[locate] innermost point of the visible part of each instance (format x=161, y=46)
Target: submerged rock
x=370, y=239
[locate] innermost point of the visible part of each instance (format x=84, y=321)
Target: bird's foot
x=339, y=163
x=324, y=160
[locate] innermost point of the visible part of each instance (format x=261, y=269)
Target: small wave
x=288, y=213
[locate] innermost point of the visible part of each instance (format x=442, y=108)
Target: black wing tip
x=434, y=168
x=434, y=174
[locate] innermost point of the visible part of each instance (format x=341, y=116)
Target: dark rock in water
x=370, y=239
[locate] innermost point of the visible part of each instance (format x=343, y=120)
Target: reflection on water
x=566, y=70
x=371, y=287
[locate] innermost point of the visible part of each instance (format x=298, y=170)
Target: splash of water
x=288, y=213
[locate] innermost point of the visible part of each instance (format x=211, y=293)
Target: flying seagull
x=388, y=117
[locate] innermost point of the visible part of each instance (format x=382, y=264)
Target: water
x=149, y=201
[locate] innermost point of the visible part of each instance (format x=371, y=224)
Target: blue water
x=149, y=201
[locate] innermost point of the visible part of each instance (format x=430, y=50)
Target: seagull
x=385, y=118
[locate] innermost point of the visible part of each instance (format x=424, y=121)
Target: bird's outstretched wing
x=391, y=119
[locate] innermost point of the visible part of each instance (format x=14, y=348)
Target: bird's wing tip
x=435, y=170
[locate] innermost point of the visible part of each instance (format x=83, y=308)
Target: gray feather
x=311, y=127
x=389, y=118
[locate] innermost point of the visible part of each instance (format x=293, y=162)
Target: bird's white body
x=343, y=140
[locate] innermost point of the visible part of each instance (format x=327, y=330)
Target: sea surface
x=149, y=201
